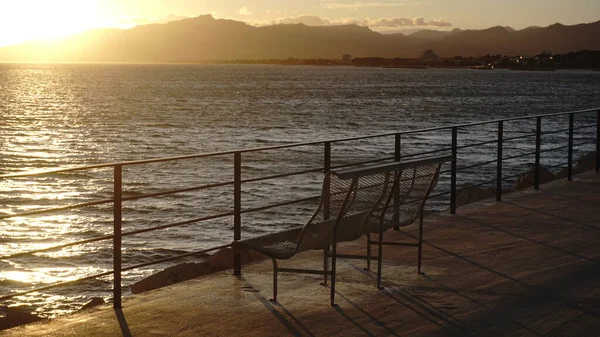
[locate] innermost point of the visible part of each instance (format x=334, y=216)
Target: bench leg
x=325, y=265
x=274, y=299
x=333, y=264
x=368, y=252
x=379, y=259
x=420, y=243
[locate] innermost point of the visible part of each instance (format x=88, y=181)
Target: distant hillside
x=204, y=38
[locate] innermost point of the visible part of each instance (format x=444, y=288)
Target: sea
x=65, y=115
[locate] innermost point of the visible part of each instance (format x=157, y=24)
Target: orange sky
x=22, y=20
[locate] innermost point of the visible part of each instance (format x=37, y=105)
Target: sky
x=23, y=20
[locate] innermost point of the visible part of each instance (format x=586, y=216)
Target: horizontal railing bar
x=66, y=245
x=477, y=144
x=56, y=285
x=108, y=237
x=518, y=137
x=476, y=165
x=554, y=148
x=585, y=126
x=276, y=147
x=518, y=156
x=518, y=174
x=557, y=165
x=554, y=131
x=424, y=153
x=58, y=209
x=370, y=161
x=477, y=185
x=94, y=276
x=188, y=189
x=285, y=203
x=251, y=180
x=439, y=195
x=585, y=143
x=177, y=257
x=178, y=224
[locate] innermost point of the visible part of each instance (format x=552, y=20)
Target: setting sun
x=40, y=19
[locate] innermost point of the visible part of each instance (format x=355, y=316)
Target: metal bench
x=348, y=203
x=413, y=184
x=354, y=202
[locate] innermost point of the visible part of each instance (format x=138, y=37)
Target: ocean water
x=59, y=115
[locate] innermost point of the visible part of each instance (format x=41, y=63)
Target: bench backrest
x=348, y=201
x=360, y=200
x=354, y=201
x=412, y=186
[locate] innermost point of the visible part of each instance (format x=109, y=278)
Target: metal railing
x=450, y=143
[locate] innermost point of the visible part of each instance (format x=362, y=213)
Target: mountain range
x=204, y=38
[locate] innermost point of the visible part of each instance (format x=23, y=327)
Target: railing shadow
x=421, y=307
x=123, y=323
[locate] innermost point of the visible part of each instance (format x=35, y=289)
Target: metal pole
x=453, y=171
x=538, y=147
x=237, y=209
x=397, y=157
x=499, y=163
x=570, y=167
x=598, y=141
x=117, y=228
x=327, y=169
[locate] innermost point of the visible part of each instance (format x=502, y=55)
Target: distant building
x=429, y=56
x=347, y=59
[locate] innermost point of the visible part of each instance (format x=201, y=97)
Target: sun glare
x=42, y=19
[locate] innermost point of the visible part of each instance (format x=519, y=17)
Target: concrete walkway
x=528, y=266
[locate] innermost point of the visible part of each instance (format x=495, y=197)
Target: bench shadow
x=379, y=323
x=272, y=307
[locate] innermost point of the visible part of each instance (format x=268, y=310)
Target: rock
x=528, y=179
x=171, y=275
x=223, y=258
x=16, y=316
x=220, y=260
x=474, y=194
x=94, y=302
x=586, y=162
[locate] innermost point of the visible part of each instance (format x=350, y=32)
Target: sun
x=26, y=20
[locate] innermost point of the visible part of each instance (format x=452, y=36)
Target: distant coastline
x=545, y=61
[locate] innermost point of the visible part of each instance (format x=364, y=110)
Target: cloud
x=376, y=24
x=244, y=11
x=406, y=22
x=333, y=4
x=309, y=20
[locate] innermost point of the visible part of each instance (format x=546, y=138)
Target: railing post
x=327, y=169
x=397, y=157
x=453, y=170
x=237, y=209
x=570, y=167
x=538, y=148
x=499, y=163
x=598, y=141
x=117, y=229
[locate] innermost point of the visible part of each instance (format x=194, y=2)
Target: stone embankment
x=470, y=195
